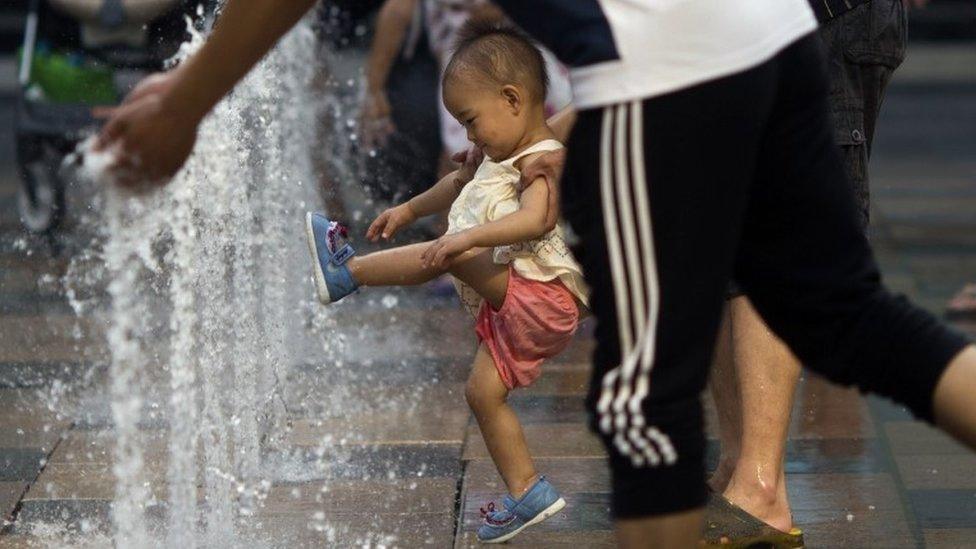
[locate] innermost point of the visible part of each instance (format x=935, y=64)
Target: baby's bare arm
x=437, y=198
x=528, y=223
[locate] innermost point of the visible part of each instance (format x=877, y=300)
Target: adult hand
x=377, y=124
x=444, y=248
x=152, y=138
x=156, y=83
x=548, y=166
x=469, y=161
x=391, y=221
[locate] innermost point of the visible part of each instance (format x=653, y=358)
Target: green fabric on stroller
x=70, y=77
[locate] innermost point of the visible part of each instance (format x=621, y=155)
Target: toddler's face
x=494, y=116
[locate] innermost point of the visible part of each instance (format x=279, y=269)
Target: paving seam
x=10, y=521
x=906, y=504
x=459, y=496
x=462, y=491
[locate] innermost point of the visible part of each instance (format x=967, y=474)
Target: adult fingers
x=475, y=156
x=150, y=84
x=112, y=131
x=103, y=111
x=440, y=260
x=429, y=253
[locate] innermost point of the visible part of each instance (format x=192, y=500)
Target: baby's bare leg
x=487, y=396
x=402, y=267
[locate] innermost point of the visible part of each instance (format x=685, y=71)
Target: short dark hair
x=502, y=53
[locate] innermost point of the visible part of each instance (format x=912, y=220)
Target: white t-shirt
x=622, y=50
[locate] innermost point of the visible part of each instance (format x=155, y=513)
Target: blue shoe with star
x=539, y=503
x=327, y=242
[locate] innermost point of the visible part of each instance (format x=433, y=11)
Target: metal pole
x=30, y=41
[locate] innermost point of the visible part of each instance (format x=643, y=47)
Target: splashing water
x=205, y=280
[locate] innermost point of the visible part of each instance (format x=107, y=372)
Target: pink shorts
x=536, y=322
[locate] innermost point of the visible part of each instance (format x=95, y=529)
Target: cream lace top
x=492, y=194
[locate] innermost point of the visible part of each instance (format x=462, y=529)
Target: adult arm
x=156, y=132
x=391, y=28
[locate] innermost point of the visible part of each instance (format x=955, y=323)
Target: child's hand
x=391, y=221
x=444, y=248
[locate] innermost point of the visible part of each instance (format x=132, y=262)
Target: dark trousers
x=862, y=47
x=670, y=198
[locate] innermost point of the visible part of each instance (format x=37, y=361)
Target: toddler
x=511, y=266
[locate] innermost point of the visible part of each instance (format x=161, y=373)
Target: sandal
x=729, y=526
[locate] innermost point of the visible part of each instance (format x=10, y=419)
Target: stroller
x=78, y=54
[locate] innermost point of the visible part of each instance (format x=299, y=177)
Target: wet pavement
x=408, y=466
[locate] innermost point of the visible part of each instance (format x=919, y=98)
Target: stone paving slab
x=841, y=510
x=944, y=508
x=401, y=496
x=359, y=530
x=545, y=440
x=915, y=438
x=39, y=338
x=435, y=413
x=950, y=538
x=927, y=472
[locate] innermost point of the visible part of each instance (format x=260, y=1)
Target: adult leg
x=724, y=387
x=767, y=374
x=863, y=47
x=488, y=398
x=807, y=266
x=655, y=192
x=954, y=398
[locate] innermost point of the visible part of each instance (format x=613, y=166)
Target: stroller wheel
x=40, y=200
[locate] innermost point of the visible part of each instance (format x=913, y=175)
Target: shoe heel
x=321, y=288
x=548, y=512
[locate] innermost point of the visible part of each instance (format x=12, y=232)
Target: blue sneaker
x=539, y=503
x=330, y=251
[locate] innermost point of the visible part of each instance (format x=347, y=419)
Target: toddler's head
x=495, y=85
